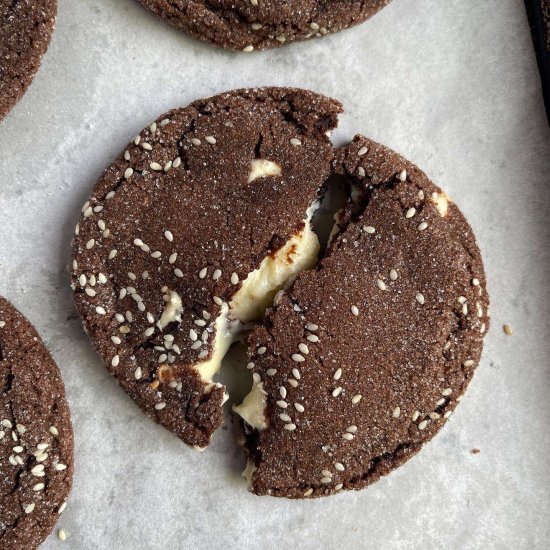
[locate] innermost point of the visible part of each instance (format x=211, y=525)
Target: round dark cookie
x=36, y=437
x=174, y=227
x=365, y=357
x=25, y=31
x=261, y=24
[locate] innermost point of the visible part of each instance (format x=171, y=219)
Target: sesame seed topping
x=296, y=373
x=271, y=372
x=422, y=425
x=303, y=348
x=61, y=535
x=299, y=407
x=250, y=47
x=339, y=466
x=446, y=392
x=420, y=298
x=447, y=414
x=381, y=284
x=250, y=365
x=128, y=173
x=234, y=279
x=422, y=226
x=351, y=429
x=282, y=392
x=337, y=391
x=434, y=415
x=298, y=358
x=338, y=374
x=347, y=436
x=160, y=406
x=60, y=467
x=403, y=175
x=356, y=398
x=62, y=508
x=469, y=363
x=295, y=141
x=210, y=139
x=256, y=26
x=285, y=418
x=28, y=508
x=312, y=338
x=326, y=479
x=261, y=350
x=178, y=272
x=293, y=383
x=169, y=236
x=396, y=412
x=363, y=150
x=415, y=416
x=177, y=162
x=173, y=257
x=90, y=244
x=441, y=402
x=290, y=427
x=361, y=172
x=217, y=274
x=282, y=404
x=148, y=332
x=115, y=360
x=54, y=431
x=38, y=487
x=100, y=310
x=355, y=310
x=393, y=275
x=369, y=229
x=312, y=327
x=410, y=213
x=112, y=254
x=310, y=490
x=138, y=373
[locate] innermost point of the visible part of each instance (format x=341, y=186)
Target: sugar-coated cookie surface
x=25, y=31
x=261, y=24
x=36, y=438
x=189, y=234
x=364, y=358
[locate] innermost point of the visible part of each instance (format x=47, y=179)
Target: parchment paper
x=453, y=86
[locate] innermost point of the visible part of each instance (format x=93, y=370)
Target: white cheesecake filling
x=172, y=310
x=252, y=409
x=441, y=201
x=263, y=168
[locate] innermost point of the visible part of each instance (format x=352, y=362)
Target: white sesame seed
x=128, y=173
x=312, y=338
x=256, y=26
x=326, y=473
x=250, y=47
x=355, y=310
x=160, y=406
x=446, y=392
x=112, y=254
x=299, y=407
x=434, y=415
x=115, y=360
x=422, y=226
x=303, y=348
x=447, y=414
x=90, y=244
x=29, y=508
x=363, y=150
x=338, y=374
x=339, y=466
x=356, y=398
x=290, y=427
x=396, y=412
x=156, y=254
x=60, y=467
x=54, y=431
x=293, y=383
x=298, y=358
x=296, y=373
x=177, y=162
x=261, y=350
x=148, y=332
x=168, y=166
x=351, y=429
x=410, y=213
x=420, y=298
x=62, y=508
x=393, y=275
x=271, y=372
x=138, y=373
x=38, y=487
x=62, y=535
x=347, y=436
x=100, y=310
x=337, y=391
x=282, y=392
x=440, y=402
x=381, y=284
x=361, y=172
x=285, y=418
x=369, y=229
x=155, y=166
x=234, y=279
x=310, y=490
x=422, y=424
x=217, y=274
x=178, y=272
x=415, y=416
x=217, y=300
x=403, y=175
x=210, y=139
x=312, y=327
x=282, y=404
x=295, y=141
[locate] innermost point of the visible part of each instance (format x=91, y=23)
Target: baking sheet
x=454, y=87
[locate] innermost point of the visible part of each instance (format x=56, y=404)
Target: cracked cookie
x=25, y=31
x=249, y=25
x=36, y=438
x=364, y=358
x=187, y=237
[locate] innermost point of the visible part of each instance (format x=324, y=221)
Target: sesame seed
x=290, y=427
x=234, y=279
x=281, y=39
x=156, y=254
x=261, y=350
x=115, y=360
x=29, y=508
x=38, y=487
x=338, y=374
x=434, y=415
x=446, y=392
x=363, y=150
x=312, y=338
x=196, y=345
x=422, y=424
x=303, y=348
x=147, y=146
x=415, y=416
x=403, y=175
x=475, y=282
x=100, y=310
x=282, y=392
x=465, y=308
x=138, y=373
x=440, y=402
x=160, y=406
x=369, y=229
x=282, y=404
x=396, y=412
x=217, y=274
x=410, y=213
x=293, y=383
x=422, y=226
x=299, y=407
x=148, y=332
x=112, y=254
x=176, y=163
x=178, y=272
x=295, y=141
x=337, y=391
x=217, y=300
x=90, y=244
x=355, y=310
x=339, y=466
x=271, y=372
x=296, y=373
x=347, y=436
x=256, y=26
x=250, y=47
x=326, y=473
x=285, y=418
x=309, y=491
x=338, y=487
x=250, y=365
x=356, y=398
x=155, y=166
x=128, y=173
x=447, y=414
x=61, y=535
x=54, y=431
x=60, y=467
x=210, y=139
x=351, y=429
x=62, y=508
x=193, y=335
x=469, y=363
x=420, y=298
x=312, y=327
x=507, y=329
x=168, y=166
x=381, y=284
x=393, y=275
x=169, y=236
x=173, y=257
x=298, y=358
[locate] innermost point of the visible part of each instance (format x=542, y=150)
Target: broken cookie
x=36, y=437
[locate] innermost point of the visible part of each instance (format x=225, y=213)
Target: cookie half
x=190, y=233
x=26, y=27
x=36, y=437
x=261, y=24
x=364, y=358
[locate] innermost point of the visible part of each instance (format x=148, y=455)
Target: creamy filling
x=172, y=310
x=263, y=168
x=252, y=409
x=441, y=201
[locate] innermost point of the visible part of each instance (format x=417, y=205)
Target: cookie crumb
x=475, y=451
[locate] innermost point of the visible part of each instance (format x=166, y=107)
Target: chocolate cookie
x=363, y=359
x=36, y=437
x=190, y=233
x=261, y=24
x=25, y=31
